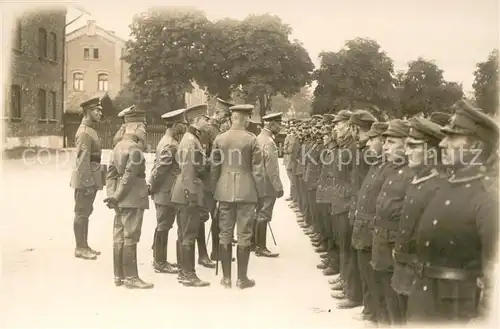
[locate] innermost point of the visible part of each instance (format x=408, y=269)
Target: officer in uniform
x=388, y=213
x=223, y=114
x=424, y=158
x=273, y=186
x=362, y=235
x=440, y=118
x=121, y=130
x=457, y=236
x=238, y=176
x=87, y=176
x=188, y=191
x=161, y=181
x=129, y=199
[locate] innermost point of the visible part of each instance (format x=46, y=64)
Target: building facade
x=94, y=64
x=34, y=110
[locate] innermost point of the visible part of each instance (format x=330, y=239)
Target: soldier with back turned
x=238, y=177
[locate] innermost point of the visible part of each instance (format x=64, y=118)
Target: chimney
x=90, y=27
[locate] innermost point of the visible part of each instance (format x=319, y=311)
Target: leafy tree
x=486, y=84
x=165, y=54
x=301, y=101
x=422, y=89
x=360, y=74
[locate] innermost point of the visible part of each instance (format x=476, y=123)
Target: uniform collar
x=266, y=132
x=467, y=174
x=88, y=122
x=194, y=131
x=424, y=174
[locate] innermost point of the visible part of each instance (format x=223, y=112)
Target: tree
x=422, y=89
x=165, y=55
x=361, y=74
x=255, y=58
x=301, y=101
x=486, y=84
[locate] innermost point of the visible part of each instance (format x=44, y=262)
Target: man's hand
x=279, y=194
x=111, y=203
x=89, y=190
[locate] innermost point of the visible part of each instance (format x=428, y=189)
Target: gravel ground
x=44, y=286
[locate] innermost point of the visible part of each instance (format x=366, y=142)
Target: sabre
x=272, y=234
x=218, y=245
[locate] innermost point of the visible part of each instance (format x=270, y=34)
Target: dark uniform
x=457, y=237
x=238, y=177
x=128, y=195
x=440, y=118
x=161, y=181
x=273, y=186
x=387, y=216
x=87, y=176
x=287, y=151
x=188, y=195
x=362, y=236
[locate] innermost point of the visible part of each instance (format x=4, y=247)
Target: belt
x=448, y=273
x=95, y=158
x=386, y=224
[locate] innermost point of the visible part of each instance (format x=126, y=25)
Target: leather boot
x=347, y=303
x=181, y=276
x=86, y=237
x=323, y=264
x=329, y=271
x=81, y=251
x=160, y=264
x=338, y=295
x=191, y=279
x=262, y=250
x=132, y=280
x=214, y=232
x=335, y=280
x=225, y=253
x=243, y=256
x=338, y=286
x=203, y=259
x=323, y=255
x=118, y=263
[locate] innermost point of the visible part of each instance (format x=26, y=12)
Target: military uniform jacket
x=388, y=214
x=359, y=171
x=302, y=147
x=237, y=168
x=165, y=169
x=269, y=151
x=457, y=238
x=366, y=203
x=422, y=188
x=188, y=187
x=294, y=149
x=313, y=166
x=88, y=171
x=342, y=185
x=128, y=173
x=324, y=192
x=212, y=132
x=118, y=135
x=287, y=149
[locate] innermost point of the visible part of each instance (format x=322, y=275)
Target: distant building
x=36, y=102
x=94, y=64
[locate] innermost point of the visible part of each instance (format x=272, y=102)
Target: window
x=42, y=43
x=102, y=82
x=18, y=35
x=51, y=104
x=15, y=102
x=78, y=81
x=42, y=104
x=86, y=53
x=96, y=53
x=90, y=53
x=53, y=46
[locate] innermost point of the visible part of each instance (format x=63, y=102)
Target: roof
x=108, y=35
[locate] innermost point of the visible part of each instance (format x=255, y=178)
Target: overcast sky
x=456, y=34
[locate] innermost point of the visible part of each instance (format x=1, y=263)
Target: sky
x=456, y=34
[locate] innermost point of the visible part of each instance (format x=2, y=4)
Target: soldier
x=223, y=114
x=129, y=200
x=254, y=126
x=188, y=192
x=161, y=181
x=362, y=236
x=273, y=186
x=287, y=150
x=388, y=213
x=424, y=158
x=362, y=121
x=238, y=177
x=119, y=134
x=87, y=176
x=457, y=236
x=292, y=165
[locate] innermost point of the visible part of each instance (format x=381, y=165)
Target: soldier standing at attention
x=287, y=151
x=238, y=176
x=457, y=236
x=362, y=235
x=129, y=200
x=188, y=191
x=273, y=186
x=292, y=165
x=87, y=175
x=161, y=181
x=424, y=158
x=388, y=214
